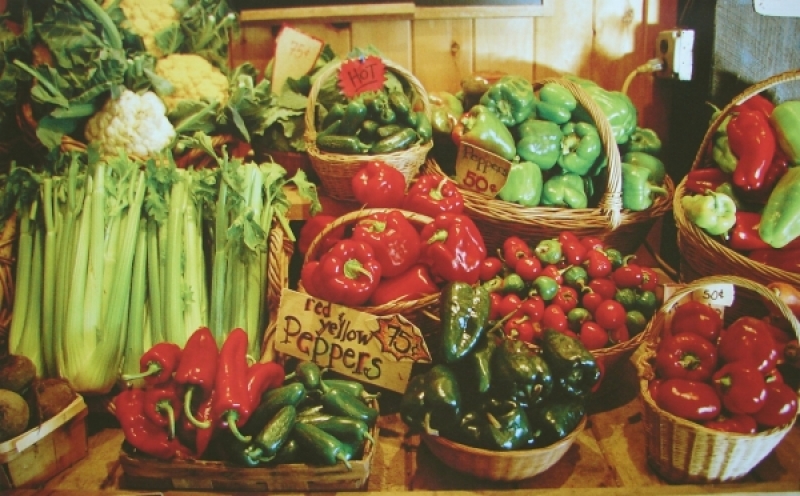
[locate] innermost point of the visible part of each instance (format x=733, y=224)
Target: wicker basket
x=500, y=465
x=335, y=170
x=8, y=237
x=621, y=228
x=701, y=254
x=681, y=451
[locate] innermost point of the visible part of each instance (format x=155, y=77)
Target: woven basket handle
x=333, y=70
x=611, y=201
x=352, y=218
x=750, y=92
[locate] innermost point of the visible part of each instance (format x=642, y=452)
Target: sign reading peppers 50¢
x=480, y=170
x=376, y=349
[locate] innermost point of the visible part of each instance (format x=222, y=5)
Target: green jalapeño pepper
x=574, y=368
x=464, y=315
x=521, y=373
x=482, y=128
x=511, y=98
x=644, y=140
x=712, y=211
x=565, y=190
x=556, y=103
x=780, y=219
x=637, y=188
x=539, y=142
x=523, y=185
x=580, y=147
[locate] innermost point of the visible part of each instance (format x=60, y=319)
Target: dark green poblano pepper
x=464, y=311
x=521, y=373
x=574, y=368
x=638, y=191
x=565, y=190
x=508, y=426
x=539, y=142
x=442, y=397
x=511, y=98
x=555, y=103
x=556, y=419
x=523, y=185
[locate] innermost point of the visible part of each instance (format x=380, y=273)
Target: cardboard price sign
x=360, y=75
x=718, y=296
x=481, y=171
x=376, y=349
x=295, y=55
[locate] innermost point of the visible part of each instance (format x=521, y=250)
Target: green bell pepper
x=446, y=109
x=644, y=140
x=508, y=426
x=556, y=419
x=520, y=373
x=658, y=171
x=713, y=212
x=580, y=147
x=511, y=98
x=722, y=155
x=574, y=368
x=780, y=219
x=566, y=190
x=785, y=119
x=482, y=128
x=464, y=313
x=555, y=103
x=638, y=190
x=615, y=105
x=523, y=185
x=539, y=142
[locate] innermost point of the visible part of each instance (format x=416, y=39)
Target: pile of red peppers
x=190, y=395
x=726, y=378
x=386, y=257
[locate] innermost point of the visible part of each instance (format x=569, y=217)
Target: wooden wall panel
x=443, y=53
x=392, y=38
x=504, y=44
x=563, y=41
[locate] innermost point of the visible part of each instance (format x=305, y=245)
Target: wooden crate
x=34, y=457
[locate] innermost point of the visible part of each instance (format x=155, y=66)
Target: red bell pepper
x=393, y=238
x=776, y=169
x=161, y=402
x=699, y=181
x=780, y=407
x=697, y=317
x=780, y=258
x=686, y=355
x=749, y=338
x=739, y=424
x=347, y=274
x=744, y=236
x=431, y=195
x=197, y=372
x=377, y=184
x=141, y=432
x=313, y=227
x=453, y=248
x=414, y=283
x=757, y=102
x=157, y=364
x=752, y=140
x=741, y=386
x=692, y=400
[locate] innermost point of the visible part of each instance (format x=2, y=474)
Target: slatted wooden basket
x=681, y=451
x=336, y=170
x=703, y=255
x=621, y=228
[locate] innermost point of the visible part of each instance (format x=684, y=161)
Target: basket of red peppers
x=715, y=399
x=735, y=210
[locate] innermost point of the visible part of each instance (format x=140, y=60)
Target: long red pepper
x=140, y=432
x=198, y=371
x=753, y=142
x=161, y=403
x=157, y=364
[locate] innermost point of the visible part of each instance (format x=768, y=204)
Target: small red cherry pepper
x=628, y=275
x=141, y=432
x=157, y=364
x=748, y=338
x=741, y=386
x=453, y=248
x=347, y=274
x=686, y=355
x=377, y=184
x=752, y=140
x=393, y=238
x=431, y=195
x=412, y=284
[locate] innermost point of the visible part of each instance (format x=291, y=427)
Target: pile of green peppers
x=308, y=420
x=493, y=392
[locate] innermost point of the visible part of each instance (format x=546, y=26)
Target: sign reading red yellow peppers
x=376, y=349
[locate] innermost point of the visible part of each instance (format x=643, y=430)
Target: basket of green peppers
x=391, y=125
x=736, y=209
x=579, y=163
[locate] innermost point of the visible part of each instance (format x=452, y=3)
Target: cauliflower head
x=135, y=123
x=148, y=17
x=193, y=77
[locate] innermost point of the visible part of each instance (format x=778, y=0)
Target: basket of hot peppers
x=493, y=406
x=207, y=414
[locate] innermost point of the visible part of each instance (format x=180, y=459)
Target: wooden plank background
x=603, y=40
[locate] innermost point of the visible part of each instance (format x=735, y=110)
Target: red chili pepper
x=597, y=264
x=593, y=243
x=692, y=400
x=453, y=248
x=628, y=275
x=780, y=258
x=686, y=355
x=700, y=181
x=532, y=307
x=412, y=284
x=261, y=377
x=508, y=304
x=313, y=227
x=157, y=364
x=514, y=250
x=163, y=404
x=777, y=168
x=520, y=328
x=347, y=274
x=780, y=407
x=198, y=371
x=567, y=298
x=377, y=184
x=697, y=317
x=752, y=140
x=741, y=386
x=204, y=416
x=431, y=195
x=748, y=338
x=393, y=238
x=573, y=250
x=739, y=423
x=649, y=279
x=142, y=433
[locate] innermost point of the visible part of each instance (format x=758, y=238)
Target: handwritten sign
x=717, y=296
x=295, y=55
x=360, y=75
x=376, y=349
x=481, y=171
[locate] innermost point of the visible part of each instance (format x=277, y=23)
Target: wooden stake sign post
x=481, y=171
x=376, y=349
